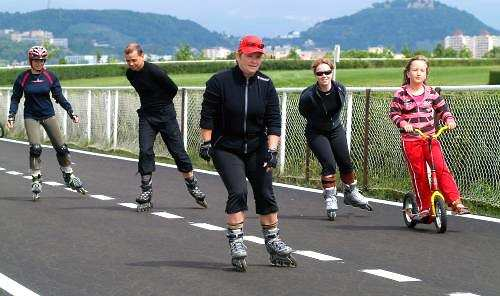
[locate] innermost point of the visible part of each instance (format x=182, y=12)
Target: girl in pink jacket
x=414, y=106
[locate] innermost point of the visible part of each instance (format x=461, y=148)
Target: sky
x=267, y=18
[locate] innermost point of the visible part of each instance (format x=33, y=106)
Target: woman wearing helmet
x=36, y=84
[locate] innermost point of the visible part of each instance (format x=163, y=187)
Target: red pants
x=417, y=155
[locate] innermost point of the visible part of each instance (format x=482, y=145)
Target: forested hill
x=413, y=23
x=160, y=34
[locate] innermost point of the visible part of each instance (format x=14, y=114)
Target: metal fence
x=109, y=120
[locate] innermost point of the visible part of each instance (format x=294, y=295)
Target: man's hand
x=205, y=150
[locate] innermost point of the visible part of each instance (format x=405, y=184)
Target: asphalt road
x=98, y=245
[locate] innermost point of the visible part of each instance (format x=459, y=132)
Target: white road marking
x=128, y=205
x=52, y=183
x=208, y=226
x=463, y=294
x=14, y=288
x=398, y=204
x=14, y=173
x=316, y=255
x=166, y=215
x=390, y=275
x=101, y=197
x=27, y=177
x=254, y=239
x=2, y=169
x=72, y=190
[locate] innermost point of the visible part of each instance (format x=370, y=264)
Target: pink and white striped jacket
x=405, y=109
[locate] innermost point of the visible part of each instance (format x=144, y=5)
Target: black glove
x=271, y=158
x=205, y=150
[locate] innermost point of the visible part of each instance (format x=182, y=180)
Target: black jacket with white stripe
x=240, y=112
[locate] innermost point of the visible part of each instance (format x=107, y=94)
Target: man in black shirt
x=157, y=115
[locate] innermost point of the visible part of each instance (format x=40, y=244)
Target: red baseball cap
x=251, y=44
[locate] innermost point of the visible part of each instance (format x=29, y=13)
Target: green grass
x=303, y=78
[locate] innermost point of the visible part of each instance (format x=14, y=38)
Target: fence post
x=89, y=115
x=308, y=162
x=115, y=122
x=184, y=117
x=108, y=117
x=348, y=127
x=366, y=138
x=283, y=133
x=7, y=103
x=65, y=118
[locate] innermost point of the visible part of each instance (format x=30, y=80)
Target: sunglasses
x=253, y=44
x=321, y=73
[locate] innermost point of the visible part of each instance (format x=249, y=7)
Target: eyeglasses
x=321, y=73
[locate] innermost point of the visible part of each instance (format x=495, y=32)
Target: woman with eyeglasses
x=36, y=84
x=320, y=104
x=240, y=128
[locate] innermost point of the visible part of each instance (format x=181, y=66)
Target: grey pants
x=51, y=127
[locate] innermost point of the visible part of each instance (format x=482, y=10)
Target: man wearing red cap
x=240, y=128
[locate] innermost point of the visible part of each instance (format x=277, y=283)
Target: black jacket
x=240, y=112
x=320, y=115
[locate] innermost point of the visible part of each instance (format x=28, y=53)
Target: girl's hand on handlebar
x=452, y=124
x=408, y=128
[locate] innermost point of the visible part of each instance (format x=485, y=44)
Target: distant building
x=312, y=54
x=281, y=52
x=291, y=35
x=216, y=53
x=81, y=59
x=478, y=45
x=376, y=49
x=36, y=36
x=59, y=42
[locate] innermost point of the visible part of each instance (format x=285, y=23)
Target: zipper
x=245, y=118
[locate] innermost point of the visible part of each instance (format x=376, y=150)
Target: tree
x=98, y=56
x=438, y=51
x=231, y=56
x=53, y=50
x=293, y=54
x=493, y=54
x=406, y=51
x=184, y=53
x=465, y=53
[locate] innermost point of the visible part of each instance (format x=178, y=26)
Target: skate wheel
x=331, y=215
x=240, y=264
x=202, y=203
x=368, y=208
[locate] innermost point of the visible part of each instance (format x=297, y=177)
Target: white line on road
x=208, y=226
x=254, y=239
x=52, y=183
x=101, y=197
x=128, y=205
x=166, y=215
x=316, y=255
x=390, y=275
x=2, y=169
x=72, y=190
x=463, y=294
x=14, y=288
x=27, y=177
x=14, y=173
x=398, y=204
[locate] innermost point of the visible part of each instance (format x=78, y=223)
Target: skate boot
x=144, y=202
x=74, y=183
x=279, y=253
x=196, y=193
x=36, y=186
x=330, y=196
x=352, y=197
x=238, y=249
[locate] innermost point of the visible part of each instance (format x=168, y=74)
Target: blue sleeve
x=58, y=96
x=17, y=94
